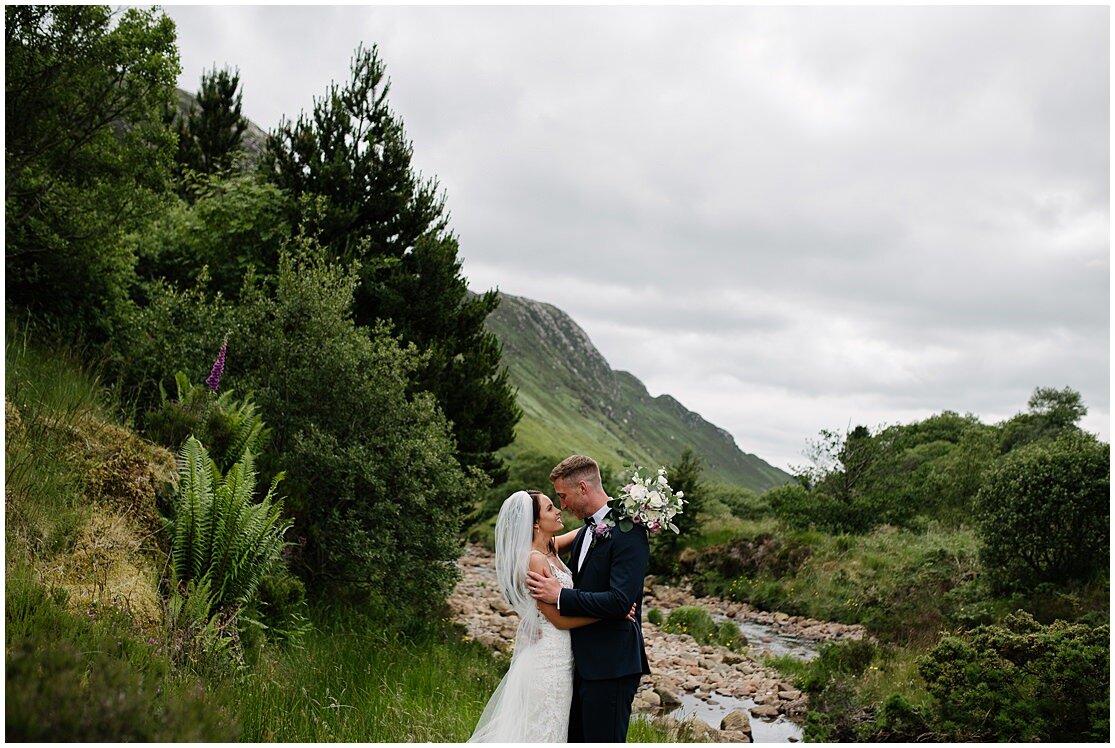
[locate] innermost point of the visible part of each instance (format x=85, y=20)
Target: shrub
x=227, y=426
x=692, y=620
x=740, y=502
x=1044, y=513
x=802, y=509
x=899, y=720
x=1022, y=681
x=373, y=480
x=836, y=661
x=654, y=615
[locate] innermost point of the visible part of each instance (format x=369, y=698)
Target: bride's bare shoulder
x=538, y=563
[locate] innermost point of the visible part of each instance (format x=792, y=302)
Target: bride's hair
x=536, y=497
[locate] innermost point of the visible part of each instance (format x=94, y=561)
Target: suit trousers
x=601, y=709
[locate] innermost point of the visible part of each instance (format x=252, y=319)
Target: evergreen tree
x=87, y=153
x=209, y=135
x=350, y=160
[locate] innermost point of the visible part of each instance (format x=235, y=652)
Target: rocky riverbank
x=679, y=665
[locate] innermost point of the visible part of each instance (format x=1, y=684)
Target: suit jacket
x=610, y=579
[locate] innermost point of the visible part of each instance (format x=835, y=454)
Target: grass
x=354, y=681
x=351, y=680
x=48, y=396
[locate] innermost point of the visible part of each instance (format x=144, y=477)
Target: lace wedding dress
x=531, y=703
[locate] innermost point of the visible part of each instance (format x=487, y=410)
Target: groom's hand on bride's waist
x=543, y=588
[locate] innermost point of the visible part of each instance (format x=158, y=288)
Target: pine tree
x=209, y=135
x=372, y=208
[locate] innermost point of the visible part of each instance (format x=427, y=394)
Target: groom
x=608, y=570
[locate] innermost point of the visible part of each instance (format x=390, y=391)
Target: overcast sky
x=789, y=219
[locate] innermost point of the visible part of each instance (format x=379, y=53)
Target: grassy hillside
x=573, y=401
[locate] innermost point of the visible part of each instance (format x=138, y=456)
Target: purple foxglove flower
x=214, y=379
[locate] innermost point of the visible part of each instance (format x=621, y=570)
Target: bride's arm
x=565, y=540
x=539, y=565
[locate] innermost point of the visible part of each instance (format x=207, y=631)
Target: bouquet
x=646, y=500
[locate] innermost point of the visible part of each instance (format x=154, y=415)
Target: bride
x=531, y=703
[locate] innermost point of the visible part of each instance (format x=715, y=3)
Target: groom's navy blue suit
x=609, y=658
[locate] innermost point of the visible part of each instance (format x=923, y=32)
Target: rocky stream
x=697, y=692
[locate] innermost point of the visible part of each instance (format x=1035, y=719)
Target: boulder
x=646, y=701
x=766, y=711
x=666, y=696
x=737, y=720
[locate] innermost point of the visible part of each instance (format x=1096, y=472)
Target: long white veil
x=506, y=718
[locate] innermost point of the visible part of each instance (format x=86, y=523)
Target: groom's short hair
x=577, y=468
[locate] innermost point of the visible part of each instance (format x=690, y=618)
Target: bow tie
x=589, y=521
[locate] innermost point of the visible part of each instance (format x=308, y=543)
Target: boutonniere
x=600, y=531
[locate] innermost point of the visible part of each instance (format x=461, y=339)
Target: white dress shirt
x=597, y=517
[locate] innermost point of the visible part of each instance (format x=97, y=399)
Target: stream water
x=762, y=639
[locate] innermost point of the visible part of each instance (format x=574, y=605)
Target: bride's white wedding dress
x=531, y=703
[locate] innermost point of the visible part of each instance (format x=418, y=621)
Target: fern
x=248, y=429
x=221, y=536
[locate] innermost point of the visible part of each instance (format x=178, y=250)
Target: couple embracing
x=578, y=653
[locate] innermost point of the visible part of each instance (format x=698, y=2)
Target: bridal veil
x=517, y=700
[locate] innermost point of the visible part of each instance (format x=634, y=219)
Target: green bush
x=899, y=720
x=654, y=615
x=803, y=509
x=236, y=222
x=692, y=620
x=740, y=502
x=227, y=426
x=372, y=478
x=1021, y=681
x=87, y=153
x=837, y=661
x=373, y=482
x=1044, y=513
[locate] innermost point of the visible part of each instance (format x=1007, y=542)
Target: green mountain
x=574, y=402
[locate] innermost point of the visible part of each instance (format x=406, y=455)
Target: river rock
x=646, y=701
x=737, y=720
x=766, y=711
x=790, y=694
x=666, y=697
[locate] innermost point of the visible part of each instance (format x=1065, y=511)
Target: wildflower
x=214, y=379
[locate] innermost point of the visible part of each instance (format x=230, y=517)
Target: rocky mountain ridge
x=573, y=401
